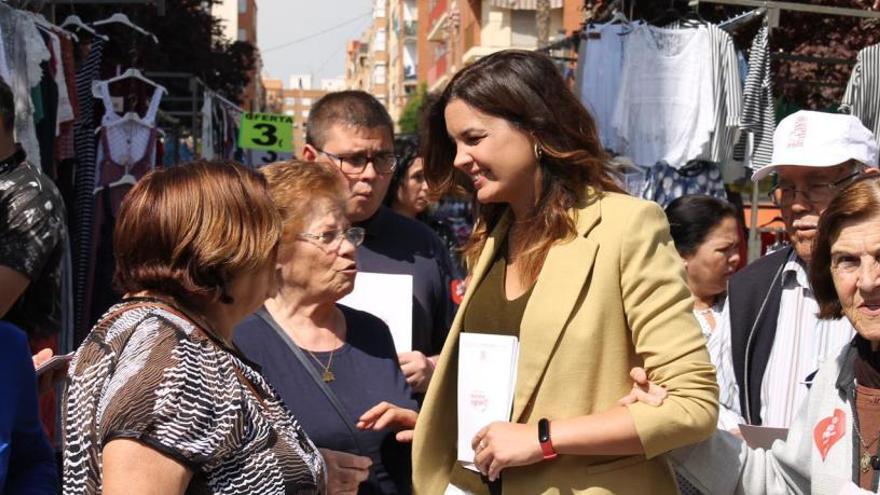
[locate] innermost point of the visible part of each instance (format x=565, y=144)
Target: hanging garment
x=664, y=184
x=208, y=126
x=759, y=115
x=666, y=107
x=65, y=147
x=84, y=143
x=862, y=97
x=727, y=82
x=128, y=140
x=107, y=201
x=25, y=52
x=600, y=61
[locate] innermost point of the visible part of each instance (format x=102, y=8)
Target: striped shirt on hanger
x=758, y=112
x=862, y=97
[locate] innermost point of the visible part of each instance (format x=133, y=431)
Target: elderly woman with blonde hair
x=330, y=363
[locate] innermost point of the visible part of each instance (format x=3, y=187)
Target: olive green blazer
x=612, y=298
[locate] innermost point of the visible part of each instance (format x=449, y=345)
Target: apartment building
x=239, y=21
x=403, y=30
x=296, y=101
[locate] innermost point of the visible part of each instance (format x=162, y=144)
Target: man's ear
x=871, y=171
x=309, y=154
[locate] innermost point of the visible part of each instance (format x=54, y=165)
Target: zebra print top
x=148, y=374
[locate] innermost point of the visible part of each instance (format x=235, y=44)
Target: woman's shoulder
x=622, y=212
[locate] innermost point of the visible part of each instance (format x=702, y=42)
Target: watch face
x=543, y=431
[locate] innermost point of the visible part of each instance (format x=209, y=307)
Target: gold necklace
x=867, y=461
x=327, y=375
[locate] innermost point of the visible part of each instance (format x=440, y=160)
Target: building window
x=379, y=74
x=242, y=6
x=379, y=9
x=305, y=102
x=242, y=34
x=305, y=114
x=379, y=41
x=289, y=112
x=290, y=101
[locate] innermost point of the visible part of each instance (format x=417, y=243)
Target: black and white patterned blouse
x=32, y=239
x=148, y=374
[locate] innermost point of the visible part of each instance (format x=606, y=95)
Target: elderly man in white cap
x=773, y=342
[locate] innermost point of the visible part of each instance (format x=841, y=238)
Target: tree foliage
x=190, y=41
x=411, y=115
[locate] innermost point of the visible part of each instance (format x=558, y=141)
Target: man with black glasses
x=353, y=131
x=773, y=340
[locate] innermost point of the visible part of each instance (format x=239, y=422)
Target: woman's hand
x=345, y=471
x=501, y=445
x=643, y=390
x=384, y=415
x=417, y=368
x=47, y=381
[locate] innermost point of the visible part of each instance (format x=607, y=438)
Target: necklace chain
x=327, y=374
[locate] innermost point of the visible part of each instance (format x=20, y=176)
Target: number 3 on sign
x=267, y=132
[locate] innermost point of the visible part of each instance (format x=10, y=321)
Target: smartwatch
x=544, y=439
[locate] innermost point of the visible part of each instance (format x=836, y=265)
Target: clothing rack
x=795, y=7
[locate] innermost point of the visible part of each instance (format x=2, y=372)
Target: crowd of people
x=230, y=366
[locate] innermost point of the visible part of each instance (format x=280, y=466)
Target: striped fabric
x=148, y=374
x=801, y=344
x=758, y=115
x=862, y=97
x=84, y=144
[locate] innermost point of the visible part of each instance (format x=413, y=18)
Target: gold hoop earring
x=539, y=153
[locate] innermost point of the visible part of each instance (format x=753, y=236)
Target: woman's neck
x=314, y=325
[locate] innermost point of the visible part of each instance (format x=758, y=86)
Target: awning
x=523, y=4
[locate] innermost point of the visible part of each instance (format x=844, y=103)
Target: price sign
x=266, y=131
x=258, y=158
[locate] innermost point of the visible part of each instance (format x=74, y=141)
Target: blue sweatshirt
x=27, y=464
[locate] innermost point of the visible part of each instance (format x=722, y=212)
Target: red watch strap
x=548, y=450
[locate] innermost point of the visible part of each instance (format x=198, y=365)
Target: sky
x=328, y=25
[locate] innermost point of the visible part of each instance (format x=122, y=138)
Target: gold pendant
x=328, y=377
x=865, y=462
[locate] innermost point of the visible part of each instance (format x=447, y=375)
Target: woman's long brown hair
x=527, y=90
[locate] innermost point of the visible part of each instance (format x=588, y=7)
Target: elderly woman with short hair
x=158, y=398
x=329, y=362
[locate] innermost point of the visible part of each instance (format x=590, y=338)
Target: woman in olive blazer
x=605, y=288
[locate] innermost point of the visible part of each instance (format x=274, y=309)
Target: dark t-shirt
x=395, y=244
x=366, y=372
x=32, y=237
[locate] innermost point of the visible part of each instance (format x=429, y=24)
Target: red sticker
x=828, y=431
x=457, y=288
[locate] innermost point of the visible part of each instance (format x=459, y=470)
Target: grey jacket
x=817, y=457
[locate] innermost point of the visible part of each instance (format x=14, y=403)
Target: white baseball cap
x=819, y=139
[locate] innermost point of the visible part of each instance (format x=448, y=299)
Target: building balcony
x=410, y=30
x=438, y=28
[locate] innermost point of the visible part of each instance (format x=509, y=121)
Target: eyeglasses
x=384, y=162
x=785, y=196
x=332, y=239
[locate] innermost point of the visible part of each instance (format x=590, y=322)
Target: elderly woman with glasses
x=329, y=363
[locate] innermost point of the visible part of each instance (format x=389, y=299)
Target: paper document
x=486, y=385
x=389, y=297
x=762, y=437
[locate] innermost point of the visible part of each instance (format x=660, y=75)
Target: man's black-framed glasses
x=785, y=195
x=384, y=162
